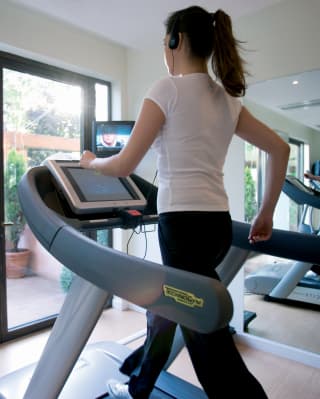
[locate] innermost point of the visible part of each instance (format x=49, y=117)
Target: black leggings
x=197, y=242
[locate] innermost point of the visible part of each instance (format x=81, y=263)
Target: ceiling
x=138, y=24
x=296, y=96
x=133, y=23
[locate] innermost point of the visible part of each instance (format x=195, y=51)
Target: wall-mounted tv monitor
x=87, y=191
x=109, y=137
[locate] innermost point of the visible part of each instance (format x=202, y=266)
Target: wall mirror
x=291, y=106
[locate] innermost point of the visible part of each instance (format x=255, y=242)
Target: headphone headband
x=174, y=35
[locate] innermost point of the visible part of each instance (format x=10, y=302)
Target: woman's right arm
x=257, y=133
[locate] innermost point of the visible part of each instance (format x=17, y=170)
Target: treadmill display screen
x=87, y=191
x=96, y=187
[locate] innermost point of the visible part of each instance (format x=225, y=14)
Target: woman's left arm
x=149, y=122
x=257, y=133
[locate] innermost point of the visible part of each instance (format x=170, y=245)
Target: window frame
x=87, y=84
x=261, y=170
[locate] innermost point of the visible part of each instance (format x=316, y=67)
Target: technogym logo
x=184, y=297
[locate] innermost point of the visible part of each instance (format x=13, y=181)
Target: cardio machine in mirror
x=291, y=106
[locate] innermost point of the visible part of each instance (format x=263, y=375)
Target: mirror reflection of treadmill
x=296, y=283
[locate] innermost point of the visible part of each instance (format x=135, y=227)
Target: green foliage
x=35, y=105
x=103, y=237
x=36, y=156
x=14, y=170
x=250, y=202
x=52, y=123
x=66, y=278
x=14, y=91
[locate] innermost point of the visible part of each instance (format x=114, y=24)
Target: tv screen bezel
x=107, y=151
x=75, y=198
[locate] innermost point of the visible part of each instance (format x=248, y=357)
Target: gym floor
x=281, y=378
x=287, y=324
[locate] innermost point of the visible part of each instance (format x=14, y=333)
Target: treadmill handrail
x=286, y=244
x=172, y=293
x=196, y=301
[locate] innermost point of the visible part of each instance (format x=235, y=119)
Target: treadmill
x=68, y=368
x=292, y=282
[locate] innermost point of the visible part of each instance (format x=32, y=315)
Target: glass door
x=41, y=119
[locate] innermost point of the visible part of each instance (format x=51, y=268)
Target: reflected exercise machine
x=55, y=200
x=292, y=282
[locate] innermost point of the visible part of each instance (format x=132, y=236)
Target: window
x=45, y=112
x=255, y=164
x=102, y=104
x=296, y=166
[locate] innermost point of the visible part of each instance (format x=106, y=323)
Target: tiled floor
x=32, y=298
x=287, y=324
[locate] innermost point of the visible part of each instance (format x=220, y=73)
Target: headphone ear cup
x=173, y=41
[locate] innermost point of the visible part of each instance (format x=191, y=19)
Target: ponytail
x=226, y=62
x=210, y=34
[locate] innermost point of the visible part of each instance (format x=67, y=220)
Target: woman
x=190, y=121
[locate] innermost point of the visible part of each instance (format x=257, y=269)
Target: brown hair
x=210, y=34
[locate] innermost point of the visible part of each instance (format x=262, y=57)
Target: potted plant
x=16, y=258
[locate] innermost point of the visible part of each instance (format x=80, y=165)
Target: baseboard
x=285, y=351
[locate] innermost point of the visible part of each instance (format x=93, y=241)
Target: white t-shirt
x=192, y=145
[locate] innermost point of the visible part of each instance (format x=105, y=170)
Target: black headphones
x=174, y=36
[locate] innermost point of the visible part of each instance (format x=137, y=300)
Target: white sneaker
x=118, y=390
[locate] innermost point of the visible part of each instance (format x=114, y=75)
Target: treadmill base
x=97, y=363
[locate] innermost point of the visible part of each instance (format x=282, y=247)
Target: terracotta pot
x=17, y=262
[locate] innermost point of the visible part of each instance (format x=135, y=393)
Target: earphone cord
x=142, y=227
x=172, y=62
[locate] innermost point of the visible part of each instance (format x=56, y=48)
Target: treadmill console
x=89, y=192
x=300, y=193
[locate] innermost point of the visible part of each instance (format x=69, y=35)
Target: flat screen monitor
x=109, y=137
x=87, y=191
